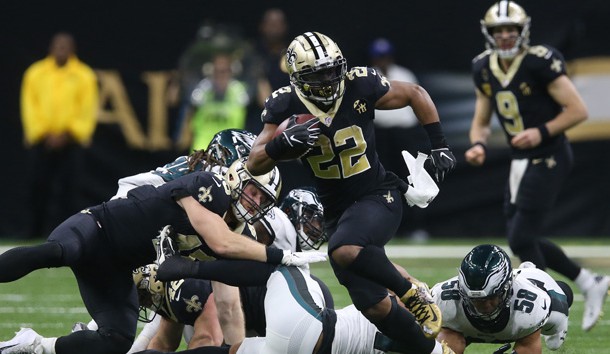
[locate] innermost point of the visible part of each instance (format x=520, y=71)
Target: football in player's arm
x=352, y=184
x=489, y=302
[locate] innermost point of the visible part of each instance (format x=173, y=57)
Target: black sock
x=20, y=261
x=373, y=264
x=557, y=260
x=400, y=326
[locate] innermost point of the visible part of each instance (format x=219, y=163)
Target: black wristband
x=481, y=144
x=435, y=134
x=544, y=132
x=274, y=148
x=274, y=255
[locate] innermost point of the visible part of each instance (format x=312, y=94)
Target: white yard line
x=423, y=251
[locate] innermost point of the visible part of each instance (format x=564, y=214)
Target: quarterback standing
x=535, y=101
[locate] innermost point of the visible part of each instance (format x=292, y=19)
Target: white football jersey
x=285, y=234
x=529, y=310
x=354, y=333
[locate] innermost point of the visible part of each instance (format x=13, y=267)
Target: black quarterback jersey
x=344, y=162
x=131, y=224
x=184, y=300
x=519, y=96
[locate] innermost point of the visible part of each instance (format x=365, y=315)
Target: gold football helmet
x=238, y=177
x=150, y=290
x=506, y=13
x=316, y=67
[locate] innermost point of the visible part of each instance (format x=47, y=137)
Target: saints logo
x=205, y=194
x=360, y=106
x=291, y=56
x=388, y=198
x=193, y=304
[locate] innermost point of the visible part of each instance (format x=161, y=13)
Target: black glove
x=295, y=136
x=503, y=349
x=175, y=268
x=442, y=162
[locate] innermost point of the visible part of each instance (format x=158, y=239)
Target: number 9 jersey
x=528, y=311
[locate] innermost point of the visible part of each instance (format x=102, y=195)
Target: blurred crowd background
x=162, y=65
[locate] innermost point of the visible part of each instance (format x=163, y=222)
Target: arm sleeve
x=148, y=332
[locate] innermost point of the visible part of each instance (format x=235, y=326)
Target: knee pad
x=113, y=342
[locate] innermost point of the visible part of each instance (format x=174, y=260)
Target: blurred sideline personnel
x=299, y=319
x=262, y=69
x=352, y=184
x=59, y=104
x=397, y=129
x=220, y=102
x=489, y=302
x=95, y=239
x=536, y=103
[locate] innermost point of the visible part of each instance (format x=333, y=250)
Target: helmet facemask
x=323, y=84
x=506, y=13
x=485, y=275
x=150, y=291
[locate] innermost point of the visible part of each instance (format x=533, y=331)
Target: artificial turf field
x=48, y=300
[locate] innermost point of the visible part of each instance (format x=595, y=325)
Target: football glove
x=442, y=162
x=422, y=189
x=300, y=136
x=298, y=259
x=503, y=349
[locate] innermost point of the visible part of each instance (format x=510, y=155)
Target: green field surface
x=48, y=300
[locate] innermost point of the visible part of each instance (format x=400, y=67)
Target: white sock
x=48, y=345
x=438, y=349
x=585, y=279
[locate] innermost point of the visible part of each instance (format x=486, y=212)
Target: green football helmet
x=230, y=144
x=306, y=213
x=485, y=273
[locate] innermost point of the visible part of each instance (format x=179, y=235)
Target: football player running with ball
x=362, y=202
x=528, y=89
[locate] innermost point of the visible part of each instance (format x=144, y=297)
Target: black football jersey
x=344, y=162
x=519, y=96
x=184, y=300
x=131, y=224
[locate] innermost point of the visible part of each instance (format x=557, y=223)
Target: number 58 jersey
x=528, y=311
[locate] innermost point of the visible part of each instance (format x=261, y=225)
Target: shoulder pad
x=482, y=55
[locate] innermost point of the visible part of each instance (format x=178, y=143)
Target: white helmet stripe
x=316, y=44
x=503, y=8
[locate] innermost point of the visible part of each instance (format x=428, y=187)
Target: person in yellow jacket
x=59, y=106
